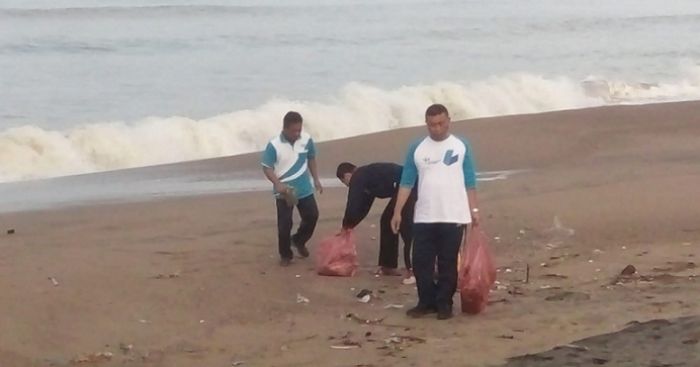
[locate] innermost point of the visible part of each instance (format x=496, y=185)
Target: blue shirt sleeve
x=311, y=149
x=269, y=156
x=410, y=171
x=468, y=166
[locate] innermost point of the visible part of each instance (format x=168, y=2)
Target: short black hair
x=436, y=109
x=343, y=168
x=292, y=117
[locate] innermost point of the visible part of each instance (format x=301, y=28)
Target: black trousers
x=308, y=211
x=439, y=241
x=389, y=242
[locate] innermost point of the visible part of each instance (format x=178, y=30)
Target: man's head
x=438, y=120
x=344, y=172
x=292, y=124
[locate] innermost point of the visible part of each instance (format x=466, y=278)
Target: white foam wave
x=31, y=152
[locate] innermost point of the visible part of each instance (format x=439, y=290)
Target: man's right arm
x=401, y=199
x=356, y=209
x=359, y=202
x=269, y=158
x=409, y=175
x=272, y=177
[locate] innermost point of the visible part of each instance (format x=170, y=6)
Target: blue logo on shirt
x=450, y=159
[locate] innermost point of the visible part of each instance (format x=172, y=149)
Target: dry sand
x=195, y=282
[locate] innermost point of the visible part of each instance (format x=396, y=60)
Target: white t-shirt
x=445, y=170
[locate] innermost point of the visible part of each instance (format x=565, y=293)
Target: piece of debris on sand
x=362, y=320
x=397, y=343
x=93, y=358
x=345, y=342
x=629, y=275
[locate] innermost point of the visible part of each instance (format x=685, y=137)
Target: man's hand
x=396, y=223
x=476, y=218
x=319, y=187
x=281, y=188
x=401, y=198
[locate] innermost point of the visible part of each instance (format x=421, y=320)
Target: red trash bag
x=337, y=255
x=477, y=272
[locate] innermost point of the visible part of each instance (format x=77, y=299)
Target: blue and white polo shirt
x=446, y=171
x=290, y=162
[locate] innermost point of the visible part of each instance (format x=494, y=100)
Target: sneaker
x=302, y=250
x=420, y=311
x=444, y=313
x=385, y=271
x=409, y=281
x=284, y=262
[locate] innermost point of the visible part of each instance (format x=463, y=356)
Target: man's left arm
x=470, y=183
x=474, y=205
x=313, y=167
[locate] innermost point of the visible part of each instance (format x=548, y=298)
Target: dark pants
x=309, y=216
x=439, y=241
x=389, y=242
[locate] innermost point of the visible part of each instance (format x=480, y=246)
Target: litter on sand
x=393, y=306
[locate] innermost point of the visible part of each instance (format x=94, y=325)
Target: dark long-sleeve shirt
x=376, y=180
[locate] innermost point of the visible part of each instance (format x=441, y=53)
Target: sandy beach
x=194, y=281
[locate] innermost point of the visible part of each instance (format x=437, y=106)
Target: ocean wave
x=29, y=152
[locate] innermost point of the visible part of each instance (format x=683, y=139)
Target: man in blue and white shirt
x=287, y=161
x=446, y=204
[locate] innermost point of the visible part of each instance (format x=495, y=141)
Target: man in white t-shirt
x=446, y=204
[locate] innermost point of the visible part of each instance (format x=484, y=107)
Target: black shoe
x=284, y=262
x=302, y=250
x=444, y=313
x=420, y=311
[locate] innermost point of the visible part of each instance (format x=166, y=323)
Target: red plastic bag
x=477, y=272
x=337, y=255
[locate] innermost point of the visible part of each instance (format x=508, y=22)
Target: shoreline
x=240, y=173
